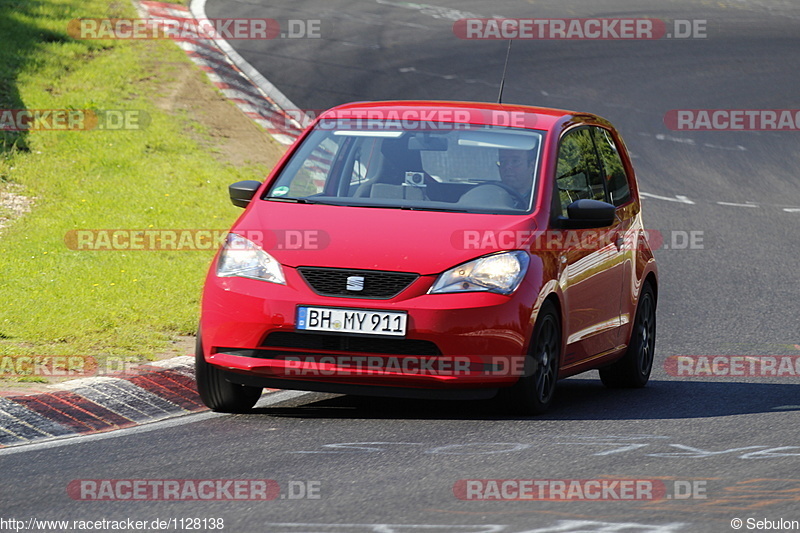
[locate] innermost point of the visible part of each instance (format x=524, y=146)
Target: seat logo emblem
x=355, y=283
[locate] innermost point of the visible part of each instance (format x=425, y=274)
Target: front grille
x=344, y=343
x=377, y=284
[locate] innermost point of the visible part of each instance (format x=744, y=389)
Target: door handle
x=619, y=241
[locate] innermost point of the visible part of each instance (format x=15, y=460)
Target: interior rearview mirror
x=427, y=142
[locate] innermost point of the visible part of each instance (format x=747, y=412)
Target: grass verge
x=167, y=175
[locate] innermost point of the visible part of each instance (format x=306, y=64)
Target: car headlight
x=243, y=258
x=501, y=273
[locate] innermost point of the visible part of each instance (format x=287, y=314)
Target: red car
x=433, y=250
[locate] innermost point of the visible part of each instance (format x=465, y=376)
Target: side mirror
x=588, y=214
x=242, y=192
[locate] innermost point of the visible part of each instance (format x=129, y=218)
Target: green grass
x=57, y=301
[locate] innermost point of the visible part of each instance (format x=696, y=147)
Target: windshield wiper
x=408, y=208
x=443, y=209
x=292, y=200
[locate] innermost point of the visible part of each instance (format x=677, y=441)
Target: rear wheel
x=633, y=370
x=534, y=391
x=217, y=393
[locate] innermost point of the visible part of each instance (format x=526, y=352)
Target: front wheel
x=217, y=393
x=534, y=391
x=633, y=370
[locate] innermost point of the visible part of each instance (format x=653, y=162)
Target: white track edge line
x=198, y=10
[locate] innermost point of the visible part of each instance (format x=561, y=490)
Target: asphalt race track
x=720, y=447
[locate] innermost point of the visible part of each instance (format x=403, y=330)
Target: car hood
x=424, y=242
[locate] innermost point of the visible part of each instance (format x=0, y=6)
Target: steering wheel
x=519, y=202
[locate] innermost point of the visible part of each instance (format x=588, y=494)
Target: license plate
x=362, y=321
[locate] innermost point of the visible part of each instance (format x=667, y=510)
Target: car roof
x=483, y=113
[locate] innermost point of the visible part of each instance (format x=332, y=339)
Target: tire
x=217, y=393
x=633, y=369
x=533, y=393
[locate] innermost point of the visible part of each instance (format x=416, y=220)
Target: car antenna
x=503, y=79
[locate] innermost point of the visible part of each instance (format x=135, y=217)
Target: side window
x=311, y=177
x=616, y=178
x=578, y=174
x=363, y=159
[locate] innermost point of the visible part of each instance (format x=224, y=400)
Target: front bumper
x=459, y=345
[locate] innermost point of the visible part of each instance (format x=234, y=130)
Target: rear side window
x=578, y=174
x=616, y=178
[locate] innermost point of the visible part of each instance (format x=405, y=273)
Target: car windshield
x=462, y=168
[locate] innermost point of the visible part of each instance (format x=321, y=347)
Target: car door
x=628, y=223
x=591, y=259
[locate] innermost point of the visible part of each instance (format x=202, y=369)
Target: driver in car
x=516, y=170
x=513, y=189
